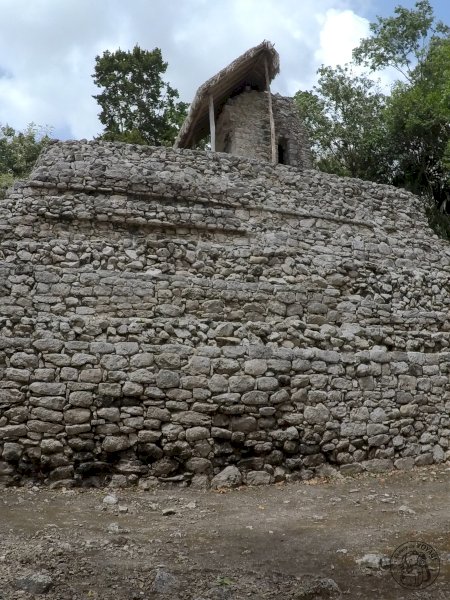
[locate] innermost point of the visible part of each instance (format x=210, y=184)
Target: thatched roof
x=248, y=69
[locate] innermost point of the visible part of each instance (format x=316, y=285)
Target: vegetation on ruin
x=137, y=105
x=402, y=137
x=19, y=151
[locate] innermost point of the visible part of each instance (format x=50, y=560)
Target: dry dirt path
x=260, y=542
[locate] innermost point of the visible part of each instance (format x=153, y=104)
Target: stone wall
x=243, y=129
x=165, y=314
x=291, y=133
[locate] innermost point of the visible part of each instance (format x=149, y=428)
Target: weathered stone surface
x=12, y=451
x=164, y=467
x=82, y=399
x=46, y=427
x=11, y=396
x=257, y=478
x=378, y=416
x=318, y=588
x=101, y=348
x=75, y=416
x=274, y=319
x=353, y=430
x=12, y=431
x=165, y=583
x=41, y=388
x=167, y=379
x=45, y=414
x=255, y=398
x=317, y=414
x=35, y=583
x=79, y=359
x=268, y=384
x=227, y=478
x=199, y=465
x=161, y=414
x=199, y=365
x=241, y=383
x=116, y=443
x=111, y=362
x=144, y=359
x=197, y=433
x=48, y=345
x=147, y=436
x=24, y=360
x=132, y=389
x=109, y=414
x=243, y=129
x=255, y=367
x=110, y=389
x=244, y=424
x=127, y=348
x=377, y=465
x=50, y=446
x=191, y=418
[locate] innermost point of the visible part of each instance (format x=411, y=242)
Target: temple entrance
x=282, y=152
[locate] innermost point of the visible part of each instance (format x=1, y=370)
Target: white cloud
x=48, y=47
x=341, y=31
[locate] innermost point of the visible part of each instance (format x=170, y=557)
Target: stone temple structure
x=166, y=314
x=243, y=117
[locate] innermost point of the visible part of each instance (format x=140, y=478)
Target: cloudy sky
x=48, y=47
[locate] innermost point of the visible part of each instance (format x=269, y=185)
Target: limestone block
x=24, y=360
x=115, y=443
x=317, y=414
x=167, y=379
x=75, y=416
x=228, y=477
x=42, y=388
x=11, y=396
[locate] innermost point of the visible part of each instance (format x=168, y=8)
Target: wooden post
x=272, y=122
x=212, y=123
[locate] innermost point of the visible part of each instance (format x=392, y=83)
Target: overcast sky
x=48, y=47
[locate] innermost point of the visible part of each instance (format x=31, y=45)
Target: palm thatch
x=247, y=70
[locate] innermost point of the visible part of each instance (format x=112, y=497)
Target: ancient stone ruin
x=167, y=313
x=242, y=117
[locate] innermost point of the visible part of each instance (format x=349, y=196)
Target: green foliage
x=19, y=151
x=401, y=41
x=402, y=138
x=224, y=581
x=6, y=181
x=343, y=115
x=418, y=119
x=439, y=221
x=137, y=106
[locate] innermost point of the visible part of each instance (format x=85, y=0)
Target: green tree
x=19, y=151
x=137, y=105
x=344, y=118
x=403, y=137
x=418, y=110
x=401, y=41
x=418, y=124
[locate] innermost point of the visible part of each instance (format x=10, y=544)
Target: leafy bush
x=438, y=220
x=6, y=181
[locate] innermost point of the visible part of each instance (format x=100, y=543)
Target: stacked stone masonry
x=243, y=129
x=168, y=313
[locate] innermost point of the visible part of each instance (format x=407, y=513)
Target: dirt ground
x=254, y=542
